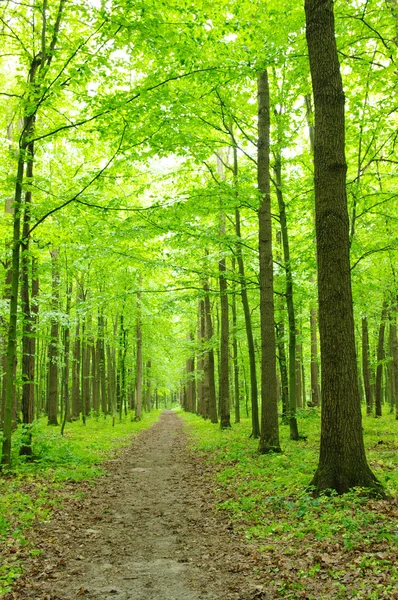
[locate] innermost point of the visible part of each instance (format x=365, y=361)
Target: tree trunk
x=76, y=365
x=248, y=319
x=139, y=369
x=283, y=385
x=315, y=393
x=379, y=368
x=102, y=363
x=65, y=375
x=28, y=333
x=299, y=360
x=200, y=362
x=269, y=438
x=209, y=360
x=236, y=393
x=53, y=357
x=148, y=386
x=365, y=366
x=294, y=434
x=225, y=419
x=342, y=462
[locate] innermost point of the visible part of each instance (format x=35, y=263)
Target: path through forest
x=146, y=531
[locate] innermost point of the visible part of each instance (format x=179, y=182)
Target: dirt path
x=146, y=531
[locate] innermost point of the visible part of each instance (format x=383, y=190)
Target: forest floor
x=166, y=522
x=147, y=530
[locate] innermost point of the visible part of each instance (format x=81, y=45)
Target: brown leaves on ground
x=153, y=518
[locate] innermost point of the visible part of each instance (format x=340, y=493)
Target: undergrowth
x=30, y=489
x=267, y=497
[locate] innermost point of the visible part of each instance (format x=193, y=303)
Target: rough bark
x=269, y=438
x=342, y=462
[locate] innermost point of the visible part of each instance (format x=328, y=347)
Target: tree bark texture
x=269, y=438
x=342, y=462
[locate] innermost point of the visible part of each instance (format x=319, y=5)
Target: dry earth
x=148, y=530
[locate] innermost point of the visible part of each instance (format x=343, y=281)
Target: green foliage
x=30, y=491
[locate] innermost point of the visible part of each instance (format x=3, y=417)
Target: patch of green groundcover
x=348, y=542
x=31, y=489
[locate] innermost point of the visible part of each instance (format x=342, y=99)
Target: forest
x=200, y=215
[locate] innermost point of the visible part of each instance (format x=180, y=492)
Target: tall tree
x=342, y=462
x=269, y=438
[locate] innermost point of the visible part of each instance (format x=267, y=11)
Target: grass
x=30, y=490
x=328, y=539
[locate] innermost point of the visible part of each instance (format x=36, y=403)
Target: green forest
x=198, y=299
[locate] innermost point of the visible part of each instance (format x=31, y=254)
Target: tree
x=269, y=438
x=342, y=462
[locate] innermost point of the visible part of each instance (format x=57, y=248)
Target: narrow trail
x=146, y=531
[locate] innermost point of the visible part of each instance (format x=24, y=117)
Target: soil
x=148, y=530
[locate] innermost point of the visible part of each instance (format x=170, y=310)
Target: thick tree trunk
x=365, y=366
x=379, y=367
x=269, y=438
x=342, y=462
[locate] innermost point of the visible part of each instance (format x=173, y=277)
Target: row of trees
x=157, y=174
